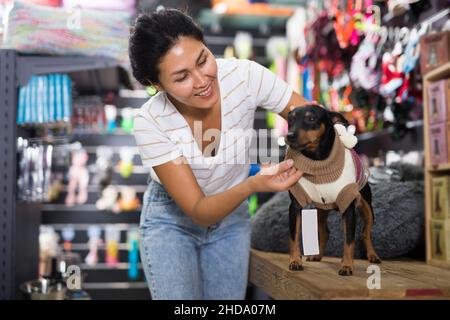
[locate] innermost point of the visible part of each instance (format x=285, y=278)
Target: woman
x=195, y=226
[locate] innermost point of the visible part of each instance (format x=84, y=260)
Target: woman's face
x=188, y=73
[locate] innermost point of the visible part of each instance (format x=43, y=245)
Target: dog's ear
x=337, y=117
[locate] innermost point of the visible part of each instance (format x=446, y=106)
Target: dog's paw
x=295, y=266
x=345, y=271
x=315, y=258
x=373, y=258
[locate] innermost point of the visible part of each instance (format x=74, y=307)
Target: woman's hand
x=279, y=177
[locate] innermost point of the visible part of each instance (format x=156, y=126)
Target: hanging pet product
x=243, y=45
x=412, y=52
x=253, y=199
x=108, y=199
x=45, y=99
x=363, y=70
x=94, y=241
x=103, y=167
x=111, y=114
x=48, y=248
x=35, y=164
x=68, y=234
x=126, y=162
x=88, y=115
x=277, y=52
x=78, y=177
x=127, y=200
x=133, y=253
x=297, y=47
x=127, y=122
x=112, y=239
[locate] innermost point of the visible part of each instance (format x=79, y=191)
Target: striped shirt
x=162, y=134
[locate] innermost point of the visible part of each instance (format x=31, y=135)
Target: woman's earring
x=152, y=90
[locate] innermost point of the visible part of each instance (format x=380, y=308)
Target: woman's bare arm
x=295, y=101
x=180, y=182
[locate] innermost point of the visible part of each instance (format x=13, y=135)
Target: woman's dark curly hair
x=152, y=36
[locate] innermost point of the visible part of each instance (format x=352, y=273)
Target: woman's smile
x=207, y=92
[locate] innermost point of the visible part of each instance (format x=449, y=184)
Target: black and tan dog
x=333, y=178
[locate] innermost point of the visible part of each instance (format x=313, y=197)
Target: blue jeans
x=183, y=260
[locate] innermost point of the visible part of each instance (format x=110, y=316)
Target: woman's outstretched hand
x=275, y=178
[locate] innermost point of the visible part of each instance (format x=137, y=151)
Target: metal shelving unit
x=19, y=223
x=103, y=281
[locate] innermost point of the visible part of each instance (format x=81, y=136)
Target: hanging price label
x=310, y=234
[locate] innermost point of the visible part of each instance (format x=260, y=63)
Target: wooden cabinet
x=437, y=171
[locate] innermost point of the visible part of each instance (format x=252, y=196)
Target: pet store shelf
x=110, y=139
x=95, y=188
x=221, y=40
x=374, y=134
x=439, y=168
x=114, y=285
x=17, y=262
x=28, y=66
x=438, y=73
x=85, y=226
x=385, y=140
x=208, y=18
x=81, y=207
x=51, y=216
x=403, y=279
x=136, y=170
x=124, y=294
x=85, y=246
x=115, y=149
x=104, y=266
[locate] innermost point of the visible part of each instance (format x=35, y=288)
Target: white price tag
x=310, y=233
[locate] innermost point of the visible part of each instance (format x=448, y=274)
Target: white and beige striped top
x=162, y=133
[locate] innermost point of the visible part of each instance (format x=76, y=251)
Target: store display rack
x=103, y=281
x=19, y=223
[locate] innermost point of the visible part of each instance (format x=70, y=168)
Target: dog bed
x=398, y=203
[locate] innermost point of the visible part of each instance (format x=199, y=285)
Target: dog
x=316, y=145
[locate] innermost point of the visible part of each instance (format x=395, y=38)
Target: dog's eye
x=311, y=119
x=291, y=118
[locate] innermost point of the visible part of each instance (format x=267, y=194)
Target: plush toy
x=48, y=248
x=55, y=189
x=108, y=199
x=126, y=161
x=78, y=178
x=103, y=167
x=127, y=201
x=347, y=135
